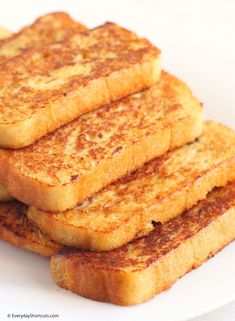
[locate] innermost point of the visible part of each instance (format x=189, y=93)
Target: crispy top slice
x=142, y=190
x=36, y=78
x=53, y=27
x=75, y=149
x=13, y=220
x=145, y=251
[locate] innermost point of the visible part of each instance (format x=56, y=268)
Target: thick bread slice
x=46, y=29
x=50, y=28
x=16, y=229
x=64, y=168
x=138, y=271
x=160, y=190
x=4, y=195
x=44, y=88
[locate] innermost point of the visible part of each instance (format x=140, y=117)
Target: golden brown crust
x=138, y=271
x=46, y=29
x=16, y=229
x=53, y=27
x=4, y=195
x=158, y=191
x=66, y=167
x=47, y=87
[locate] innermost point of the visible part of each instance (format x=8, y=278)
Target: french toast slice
x=46, y=87
x=157, y=192
x=16, y=229
x=64, y=168
x=49, y=28
x=46, y=29
x=4, y=195
x=149, y=265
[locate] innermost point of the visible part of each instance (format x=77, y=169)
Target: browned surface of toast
x=138, y=271
x=46, y=87
x=46, y=29
x=4, y=195
x=64, y=168
x=160, y=190
x=16, y=229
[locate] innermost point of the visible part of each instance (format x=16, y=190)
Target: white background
x=197, y=39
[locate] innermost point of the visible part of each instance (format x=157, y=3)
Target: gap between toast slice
x=158, y=191
x=16, y=229
x=4, y=195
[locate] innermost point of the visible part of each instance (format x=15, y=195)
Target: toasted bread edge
x=60, y=198
x=128, y=288
x=97, y=93
x=7, y=235
x=175, y=205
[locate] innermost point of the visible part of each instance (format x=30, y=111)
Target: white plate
x=198, y=45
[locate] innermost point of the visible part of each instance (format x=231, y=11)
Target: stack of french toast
x=106, y=163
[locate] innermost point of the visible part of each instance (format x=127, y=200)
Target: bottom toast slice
x=139, y=270
x=16, y=229
x=135, y=272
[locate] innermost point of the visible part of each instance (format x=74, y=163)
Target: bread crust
x=159, y=191
x=47, y=87
x=49, y=28
x=64, y=168
x=16, y=229
x=147, y=266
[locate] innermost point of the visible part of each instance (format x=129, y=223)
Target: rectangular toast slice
x=46, y=87
x=16, y=229
x=50, y=28
x=157, y=192
x=46, y=29
x=149, y=265
x=159, y=258
x=64, y=168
